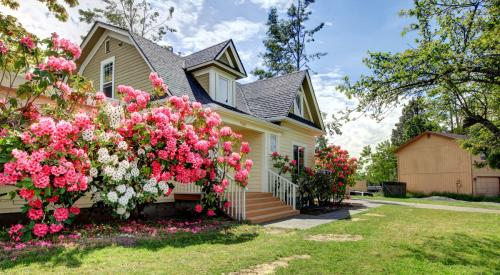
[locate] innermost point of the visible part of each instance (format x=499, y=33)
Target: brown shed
x=434, y=162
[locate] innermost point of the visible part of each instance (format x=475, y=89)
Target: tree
x=138, y=16
x=286, y=41
x=381, y=165
x=321, y=142
x=455, y=63
x=54, y=6
x=415, y=119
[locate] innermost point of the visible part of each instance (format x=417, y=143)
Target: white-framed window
x=273, y=143
x=299, y=105
x=108, y=76
x=299, y=155
x=224, y=90
x=107, y=47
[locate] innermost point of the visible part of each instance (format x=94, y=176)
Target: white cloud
x=239, y=30
x=355, y=134
x=266, y=4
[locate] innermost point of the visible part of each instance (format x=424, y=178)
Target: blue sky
x=352, y=28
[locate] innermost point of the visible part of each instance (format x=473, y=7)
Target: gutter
x=284, y=118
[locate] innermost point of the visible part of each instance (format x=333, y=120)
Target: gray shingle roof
x=272, y=97
x=264, y=99
x=205, y=55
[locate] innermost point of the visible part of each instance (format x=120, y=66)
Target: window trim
x=104, y=63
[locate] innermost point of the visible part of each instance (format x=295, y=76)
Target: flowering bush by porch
x=127, y=155
x=325, y=183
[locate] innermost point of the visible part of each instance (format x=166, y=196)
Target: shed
x=435, y=162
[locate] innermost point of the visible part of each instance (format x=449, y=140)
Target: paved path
x=309, y=221
x=430, y=206
x=361, y=205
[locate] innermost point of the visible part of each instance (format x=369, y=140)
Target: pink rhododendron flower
x=210, y=213
x=35, y=203
x=40, y=230
x=3, y=48
x=198, y=208
x=15, y=232
x=74, y=210
x=35, y=214
x=227, y=204
x=54, y=228
x=61, y=214
x=245, y=148
x=26, y=194
x=27, y=42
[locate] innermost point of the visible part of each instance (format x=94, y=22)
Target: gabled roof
x=440, y=134
x=205, y=55
x=272, y=97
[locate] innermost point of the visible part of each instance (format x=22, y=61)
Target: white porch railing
x=282, y=188
x=236, y=195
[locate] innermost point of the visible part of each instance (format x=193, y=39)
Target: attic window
x=299, y=105
x=107, y=47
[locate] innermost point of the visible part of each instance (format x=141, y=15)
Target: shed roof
x=441, y=134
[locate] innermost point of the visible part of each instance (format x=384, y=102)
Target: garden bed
x=116, y=233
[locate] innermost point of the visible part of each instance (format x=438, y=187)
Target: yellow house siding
x=255, y=139
x=435, y=164
x=293, y=134
x=130, y=67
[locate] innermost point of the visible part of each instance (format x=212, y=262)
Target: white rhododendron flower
x=112, y=196
x=122, y=145
x=121, y=210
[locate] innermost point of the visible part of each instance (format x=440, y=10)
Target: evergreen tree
x=286, y=41
x=415, y=119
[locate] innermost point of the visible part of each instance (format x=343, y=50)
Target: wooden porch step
x=274, y=216
x=267, y=210
x=263, y=207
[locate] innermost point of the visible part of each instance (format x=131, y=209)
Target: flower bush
x=178, y=141
x=42, y=154
x=326, y=182
x=129, y=155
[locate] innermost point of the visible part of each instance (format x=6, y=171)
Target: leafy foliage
x=378, y=166
x=454, y=65
x=55, y=6
x=138, y=16
x=414, y=120
x=286, y=41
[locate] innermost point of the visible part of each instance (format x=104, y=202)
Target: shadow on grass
x=73, y=257
x=459, y=249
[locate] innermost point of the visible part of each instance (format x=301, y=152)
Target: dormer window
x=298, y=105
x=224, y=90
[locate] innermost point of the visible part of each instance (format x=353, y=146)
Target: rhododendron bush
x=126, y=155
x=325, y=183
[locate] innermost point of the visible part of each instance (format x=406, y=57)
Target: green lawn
x=416, y=200
x=404, y=240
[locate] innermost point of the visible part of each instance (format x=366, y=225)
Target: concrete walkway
x=309, y=221
x=429, y=206
x=361, y=205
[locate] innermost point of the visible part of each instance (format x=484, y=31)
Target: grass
x=483, y=205
x=404, y=240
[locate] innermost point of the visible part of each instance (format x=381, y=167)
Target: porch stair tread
x=263, y=207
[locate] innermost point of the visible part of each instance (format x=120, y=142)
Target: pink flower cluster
x=51, y=172
x=59, y=64
x=3, y=48
x=66, y=45
x=157, y=82
x=27, y=41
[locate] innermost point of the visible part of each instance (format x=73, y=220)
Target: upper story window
x=224, y=90
x=108, y=76
x=299, y=105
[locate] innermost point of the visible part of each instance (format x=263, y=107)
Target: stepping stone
x=270, y=268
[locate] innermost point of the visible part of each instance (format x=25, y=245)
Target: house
x=434, y=162
x=280, y=114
